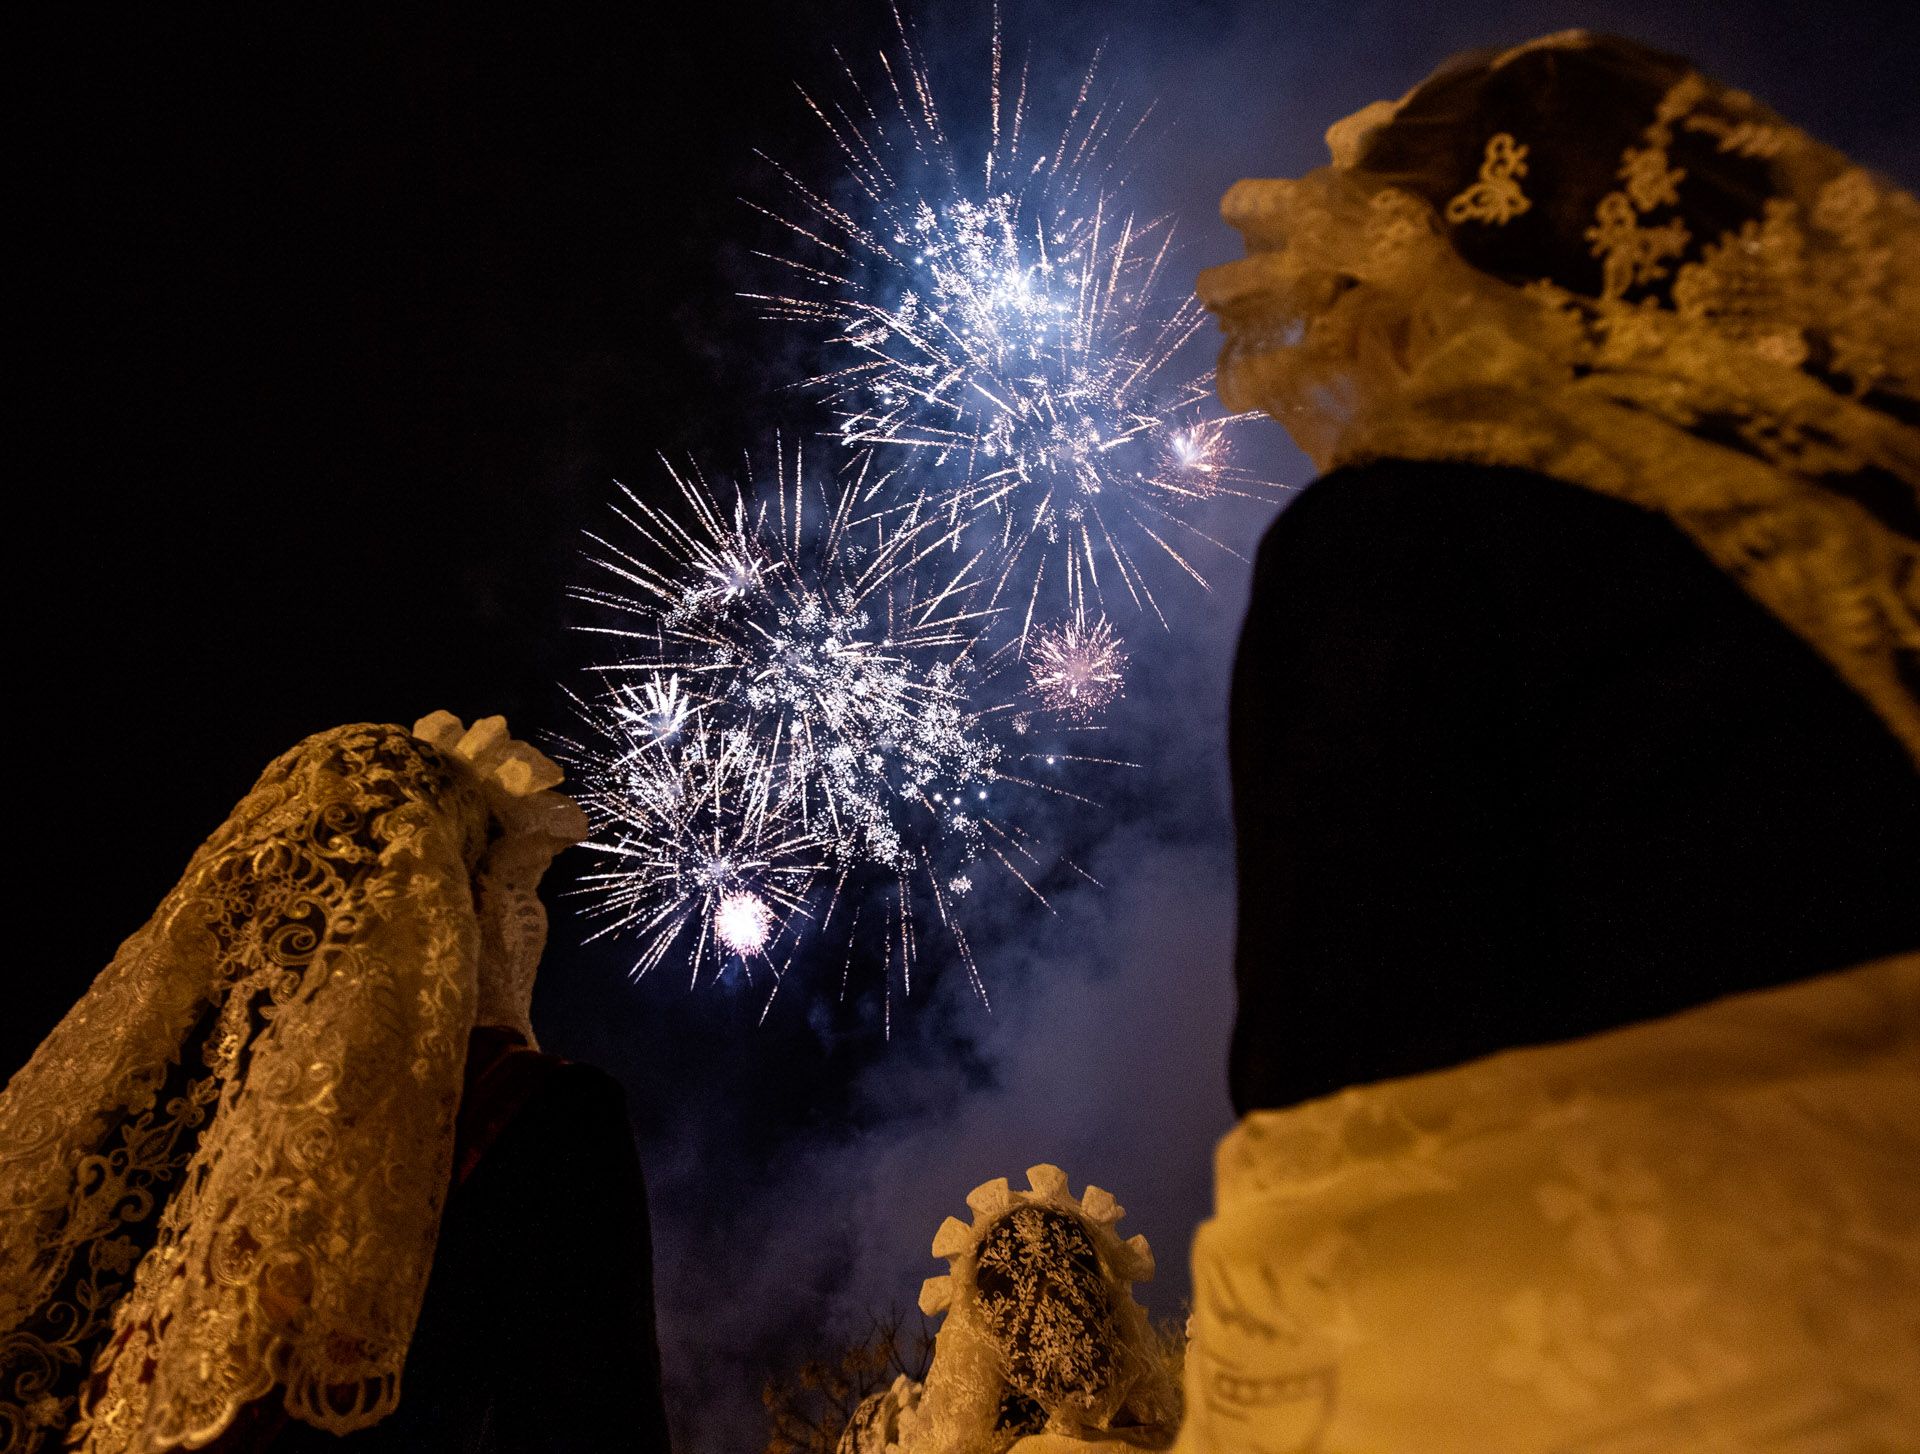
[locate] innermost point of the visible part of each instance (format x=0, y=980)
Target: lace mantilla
x=532, y=824
x=1755, y=379
x=221, y=1175
x=1692, y=1234
x=1042, y=1339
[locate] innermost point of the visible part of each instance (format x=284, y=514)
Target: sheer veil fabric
x=1587, y=259
x=221, y=1176
x=1686, y=1235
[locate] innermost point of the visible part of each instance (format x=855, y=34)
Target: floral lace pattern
x=1690, y=1234
x=1495, y=197
x=1044, y=1298
x=531, y=824
x=1759, y=386
x=222, y=1173
x=1042, y=1338
x=513, y=930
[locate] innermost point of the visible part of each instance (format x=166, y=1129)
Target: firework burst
x=822, y=630
x=1078, y=669
x=792, y=723
x=701, y=852
x=1009, y=328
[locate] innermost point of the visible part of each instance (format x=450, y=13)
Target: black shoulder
x=584, y=1090
x=1428, y=503
x=1513, y=544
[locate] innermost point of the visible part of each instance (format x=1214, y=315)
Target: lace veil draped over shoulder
x=222, y=1173
x=1587, y=261
x=1584, y=258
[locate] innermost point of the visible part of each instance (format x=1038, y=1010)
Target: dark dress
x=1514, y=762
x=537, y=1333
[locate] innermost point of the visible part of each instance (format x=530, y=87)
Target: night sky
x=337, y=328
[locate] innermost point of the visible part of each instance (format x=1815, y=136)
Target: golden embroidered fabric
x=1496, y=197
x=1744, y=383
x=1042, y=1341
x=1689, y=1235
x=221, y=1175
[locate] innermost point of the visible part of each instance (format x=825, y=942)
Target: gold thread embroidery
x=1732, y=394
x=1750, y=136
x=1495, y=198
x=1631, y=255
x=277, y=1206
x=1744, y=287
x=1649, y=181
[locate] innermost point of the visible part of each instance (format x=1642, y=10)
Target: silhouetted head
x=1047, y=1305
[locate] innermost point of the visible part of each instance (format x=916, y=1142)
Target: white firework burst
x=1011, y=325
x=813, y=663
x=810, y=626
x=702, y=855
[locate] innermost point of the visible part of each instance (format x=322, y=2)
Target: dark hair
x=1577, y=105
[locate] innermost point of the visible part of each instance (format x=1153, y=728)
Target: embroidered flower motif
x=1551, y=1348
x=1612, y=1212
x=1631, y=255
x=1495, y=198
x=116, y=1256
x=1648, y=180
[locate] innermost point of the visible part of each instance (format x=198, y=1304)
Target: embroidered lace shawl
x=1692, y=1234
x=1586, y=259
x=222, y=1173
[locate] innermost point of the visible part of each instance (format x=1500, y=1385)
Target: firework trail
x=792, y=725
x=998, y=319
x=801, y=731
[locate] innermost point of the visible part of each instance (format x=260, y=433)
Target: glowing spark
x=743, y=922
x=1079, y=669
x=1198, y=453
x=656, y=710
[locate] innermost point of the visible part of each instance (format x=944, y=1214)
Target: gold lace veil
x=222, y=1173
x=1584, y=258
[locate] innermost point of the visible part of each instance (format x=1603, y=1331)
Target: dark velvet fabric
x=537, y=1332
x=1513, y=763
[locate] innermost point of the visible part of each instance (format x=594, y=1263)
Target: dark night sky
x=336, y=328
